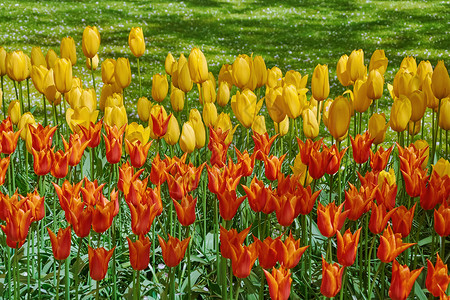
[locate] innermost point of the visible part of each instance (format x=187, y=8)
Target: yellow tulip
x=187, y=138
x=440, y=81
x=375, y=84
x=423, y=70
x=136, y=41
x=377, y=128
x=245, y=107
x=378, y=61
x=385, y=176
x=224, y=123
x=160, y=87
x=409, y=63
x=115, y=99
x=94, y=62
x=223, y=94
x=199, y=128
x=173, y=131
x=143, y=109
x=355, y=65
x=184, y=78
x=225, y=75
x=282, y=128
x=68, y=49
x=25, y=119
x=107, y=91
x=301, y=170
x=326, y=110
x=341, y=71
x=422, y=144
x=122, y=72
x=62, y=75
x=80, y=117
x=29, y=67
x=320, y=86
x=14, y=111
x=38, y=74
x=442, y=167
x=444, y=114
x=432, y=101
x=209, y=114
x=168, y=63
x=310, y=124
x=91, y=41
x=274, y=77
x=418, y=105
x=260, y=70
x=16, y=66
x=291, y=102
x=413, y=127
x=208, y=92
x=51, y=58
x=2, y=61
x=361, y=101
x=241, y=71
x=136, y=132
x=73, y=96
x=259, y=125
x=212, y=79
x=51, y=93
x=295, y=78
x=177, y=99
x=108, y=67
x=198, y=67
x=339, y=117
x=402, y=83
x=115, y=115
x=275, y=104
x=37, y=57
x=88, y=99
x=400, y=113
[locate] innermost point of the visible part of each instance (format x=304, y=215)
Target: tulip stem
x=344, y=280
x=339, y=175
x=381, y=266
x=231, y=281
x=329, y=250
x=57, y=280
x=189, y=263
x=369, y=258
x=22, y=107
x=28, y=93
x=238, y=288
x=67, y=278
x=139, y=75
x=172, y=284
x=97, y=289
x=3, y=98
x=16, y=274
x=77, y=272
x=92, y=73
x=446, y=144
x=137, y=286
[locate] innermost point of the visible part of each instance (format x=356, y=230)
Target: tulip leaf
x=425, y=241
x=419, y=291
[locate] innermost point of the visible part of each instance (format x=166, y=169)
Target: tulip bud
x=184, y=78
x=88, y=99
x=143, y=109
x=173, y=131
x=2, y=61
x=68, y=49
x=326, y=111
x=409, y=63
x=423, y=70
x=225, y=75
x=209, y=114
x=245, y=107
x=168, y=63
x=177, y=99
x=378, y=61
x=282, y=128
x=91, y=41
x=295, y=78
x=241, y=72
x=136, y=41
x=440, y=81
x=341, y=71
x=401, y=83
x=135, y=132
x=51, y=58
x=50, y=91
x=62, y=75
x=212, y=79
x=37, y=57
x=122, y=72
x=310, y=124
x=274, y=77
x=377, y=128
x=16, y=66
x=375, y=84
x=107, y=91
x=199, y=128
x=355, y=65
x=418, y=105
x=400, y=113
x=38, y=74
x=114, y=100
x=260, y=69
x=14, y=111
x=94, y=62
x=291, y=102
x=223, y=94
x=320, y=86
x=386, y=176
x=108, y=67
x=339, y=118
x=198, y=67
x=160, y=87
x=444, y=114
x=361, y=101
x=208, y=91
x=259, y=125
x=115, y=115
x=275, y=104
x=25, y=119
x=187, y=138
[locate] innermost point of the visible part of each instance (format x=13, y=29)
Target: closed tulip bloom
x=259, y=125
x=198, y=67
x=442, y=220
x=291, y=102
x=113, y=143
x=138, y=152
x=275, y=104
x=339, y=117
x=225, y=75
x=68, y=49
x=158, y=122
x=361, y=147
x=199, y=128
x=108, y=67
x=432, y=101
x=310, y=124
x=94, y=64
x=143, y=109
x=208, y=92
x=418, y=105
x=14, y=111
x=279, y=283
x=177, y=99
x=245, y=107
x=437, y=277
x=139, y=252
x=260, y=69
x=25, y=119
x=209, y=114
x=282, y=128
x=361, y=101
x=187, y=138
x=60, y=243
x=37, y=57
x=173, y=250
x=168, y=63
x=330, y=218
x=62, y=75
x=50, y=91
x=402, y=220
x=184, y=78
x=223, y=94
x=444, y=116
x=4, y=163
x=122, y=72
x=355, y=65
x=98, y=262
x=440, y=81
x=185, y=210
x=402, y=281
x=160, y=87
x=378, y=61
x=401, y=111
x=136, y=41
x=375, y=84
x=267, y=252
x=320, y=86
x=347, y=246
x=379, y=160
x=379, y=218
x=241, y=72
x=331, y=279
x=38, y=74
x=242, y=259
x=60, y=164
x=91, y=41
x=50, y=58
x=17, y=225
x=377, y=128
x=274, y=77
x=391, y=245
x=115, y=115
x=42, y=161
x=341, y=71
x=2, y=61
x=16, y=66
x=173, y=131
x=224, y=123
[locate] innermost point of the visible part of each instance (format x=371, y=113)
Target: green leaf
x=419, y=291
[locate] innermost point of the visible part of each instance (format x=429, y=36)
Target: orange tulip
x=113, y=143
x=229, y=204
x=75, y=148
x=105, y=211
x=98, y=262
x=307, y=200
x=330, y=218
x=160, y=123
x=272, y=166
x=402, y=220
x=331, y=279
x=8, y=141
x=379, y=160
x=379, y=218
x=42, y=161
x=279, y=283
x=306, y=148
x=60, y=243
x=386, y=195
x=18, y=223
x=358, y=202
x=262, y=144
x=347, y=246
x=246, y=162
x=92, y=192
x=126, y=177
x=142, y=217
x=391, y=245
x=81, y=220
x=335, y=159
x=4, y=163
x=402, y=281
x=139, y=252
x=231, y=237
x=290, y=252
x=286, y=205
x=60, y=164
x=267, y=252
x=242, y=259
x=186, y=210
x=92, y=134
x=173, y=250
x=442, y=220
x=415, y=181
x=318, y=162
x=361, y=147
x=138, y=152
x=437, y=277
x=434, y=192
x=41, y=137
x=258, y=195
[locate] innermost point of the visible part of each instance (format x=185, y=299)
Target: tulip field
x=199, y=165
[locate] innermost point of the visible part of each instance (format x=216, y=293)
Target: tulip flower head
x=98, y=262
x=391, y=245
x=139, y=252
x=173, y=250
x=331, y=279
x=136, y=41
x=330, y=218
x=279, y=283
x=347, y=246
x=60, y=243
x=90, y=42
x=402, y=281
